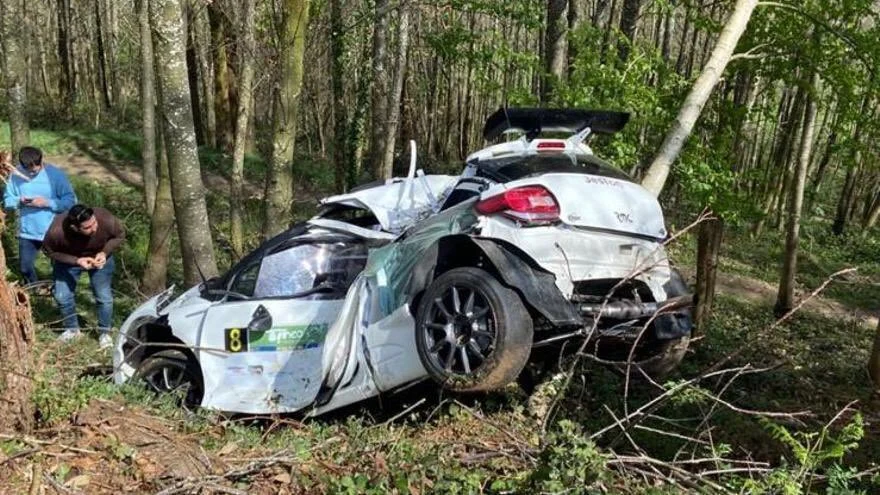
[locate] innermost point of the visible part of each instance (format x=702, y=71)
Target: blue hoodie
x=49, y=183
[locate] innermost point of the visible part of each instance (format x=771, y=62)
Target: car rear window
x=520, y=167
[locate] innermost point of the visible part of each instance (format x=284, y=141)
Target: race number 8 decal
x=236, y=340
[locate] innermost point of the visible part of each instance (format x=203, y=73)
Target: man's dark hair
x=30, y=156
x=79, y=214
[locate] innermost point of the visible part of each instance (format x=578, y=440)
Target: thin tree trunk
x=337, y=75
x=192, y=74
x=279, y=181
x=554, y=47
x=188, y=191
x=874, y=362
x=155, y=277
x=246, y=59
x=67, y=79
x=396, y=92
x=223, y=112
x=102, y=57
x=379, y=95
x=629, y=24
x=148, y=107
x=785, y=298
x=693, y=105
x=16, y=73
x=708, y=247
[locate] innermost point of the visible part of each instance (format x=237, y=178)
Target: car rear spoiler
x=534, y=121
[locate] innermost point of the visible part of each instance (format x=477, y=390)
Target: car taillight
x=529, y=204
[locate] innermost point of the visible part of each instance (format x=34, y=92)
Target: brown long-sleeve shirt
x=65, y=245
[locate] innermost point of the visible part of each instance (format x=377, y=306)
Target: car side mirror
x=261, y=320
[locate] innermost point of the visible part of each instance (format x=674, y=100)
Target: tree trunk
x=396, y=92
x=223, y=112
x=246, y=59
x=16, y=337
x=575, y=18
x=14, y=54
x=155, y=277
x=67, y=79
x=708, y=247
x=102, y=57
x=874, y=362
x=554, y=47
x=785, y=298
x=148, y=107
x=187, y=189
x=629, y=24
x=279, y=180
x=379, y=96
x=337, y=76
x=192, y=74
x=693, y=105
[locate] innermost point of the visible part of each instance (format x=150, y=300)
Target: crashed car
x=457, y=279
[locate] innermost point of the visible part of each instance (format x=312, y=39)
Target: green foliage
x=570, y=461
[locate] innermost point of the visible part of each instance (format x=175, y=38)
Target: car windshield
x=520, y=167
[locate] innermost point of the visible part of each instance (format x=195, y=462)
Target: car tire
x=170, y=371
x=472, y=333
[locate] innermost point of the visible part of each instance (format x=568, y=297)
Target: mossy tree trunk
x=15, y=61
x=16, y=337
x=874, y=363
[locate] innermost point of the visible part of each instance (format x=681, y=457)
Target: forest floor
x=793, y=424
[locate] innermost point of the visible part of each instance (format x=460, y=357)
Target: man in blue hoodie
x=38, y=200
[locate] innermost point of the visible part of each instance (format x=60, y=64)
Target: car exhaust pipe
x=626, y=309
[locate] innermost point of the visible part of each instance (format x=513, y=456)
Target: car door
x=261, y=348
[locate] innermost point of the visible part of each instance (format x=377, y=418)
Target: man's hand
x=85, y=263
x=100, y=260
x=39, y=202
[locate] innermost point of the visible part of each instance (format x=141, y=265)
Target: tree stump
x=16, y=338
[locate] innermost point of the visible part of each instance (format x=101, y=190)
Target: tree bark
x=690, y=111
x=192, y=74
x=187, y=189
x=14, y=54
x=67, y=79
x=874, y=362
x=148, y=107
x=246, y=59
x=396, y=93
x=16, y=337
x=155, y=277
x=785, y=298
x=337, y=75
x=709, y=240
x=279, y=181
x=629, y=24
x=223, y=110
x=554, y=47
x=103, y=75
x=379, y=95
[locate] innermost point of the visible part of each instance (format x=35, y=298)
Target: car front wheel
x=472, y=333
x=172, y=372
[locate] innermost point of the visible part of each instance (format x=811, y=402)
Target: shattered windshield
x=520, y=167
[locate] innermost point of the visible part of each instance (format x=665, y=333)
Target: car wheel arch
x=507, y=263
x=153, y=337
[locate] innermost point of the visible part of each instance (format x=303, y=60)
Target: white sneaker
x=69, y=335
x=105, y=341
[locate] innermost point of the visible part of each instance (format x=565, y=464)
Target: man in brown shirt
x=84, y=239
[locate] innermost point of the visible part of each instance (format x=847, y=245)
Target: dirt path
x=87, y=168
x=764, y=293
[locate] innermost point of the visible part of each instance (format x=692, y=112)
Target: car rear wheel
x=472, y=333
x=172, y=372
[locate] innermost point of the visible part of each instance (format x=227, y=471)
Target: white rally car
x=457, y=279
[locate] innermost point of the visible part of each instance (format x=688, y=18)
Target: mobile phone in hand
x=27, y=200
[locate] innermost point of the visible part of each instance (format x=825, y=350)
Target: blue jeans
x=28, y=249
x=66, y=277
